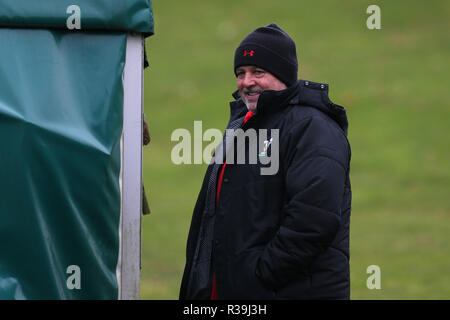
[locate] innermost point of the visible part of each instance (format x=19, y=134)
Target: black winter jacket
x=285, y=235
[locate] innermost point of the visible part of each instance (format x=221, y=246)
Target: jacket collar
x=268, y=102
x=303, y=92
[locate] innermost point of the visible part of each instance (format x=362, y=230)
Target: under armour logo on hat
x=249, y=53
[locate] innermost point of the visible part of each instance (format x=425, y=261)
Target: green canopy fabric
x=61, y=121
x=123, y=15
x=61, y=146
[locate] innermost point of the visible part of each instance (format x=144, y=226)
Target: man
x=283, y=235
x=145, y=141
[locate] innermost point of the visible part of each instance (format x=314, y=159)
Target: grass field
x=394, y=84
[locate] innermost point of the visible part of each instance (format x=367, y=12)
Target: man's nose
x=249, y=80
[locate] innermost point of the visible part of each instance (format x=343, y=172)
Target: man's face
x=251, y=81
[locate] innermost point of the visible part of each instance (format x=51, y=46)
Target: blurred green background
x=394, y=84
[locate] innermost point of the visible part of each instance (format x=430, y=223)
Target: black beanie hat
x=271, y=49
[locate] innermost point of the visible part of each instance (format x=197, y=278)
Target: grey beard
x=248, y=108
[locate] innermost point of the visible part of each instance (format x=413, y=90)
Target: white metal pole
x=129, y=265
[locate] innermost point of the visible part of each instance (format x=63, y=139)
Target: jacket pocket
x=244, y=283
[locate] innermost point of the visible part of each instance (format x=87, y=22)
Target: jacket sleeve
x=315, y=161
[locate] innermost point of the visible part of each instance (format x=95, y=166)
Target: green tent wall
x=63, y=148
x=119, y=15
